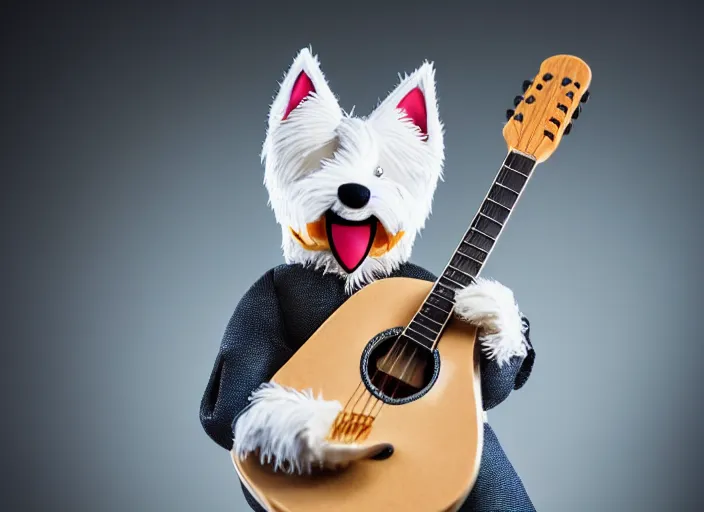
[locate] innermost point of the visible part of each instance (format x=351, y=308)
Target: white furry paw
x=492, y=308
x=288, y=428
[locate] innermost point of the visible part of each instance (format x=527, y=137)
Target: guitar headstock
x=548, y=106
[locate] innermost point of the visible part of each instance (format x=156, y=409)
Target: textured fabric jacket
x=273, y=320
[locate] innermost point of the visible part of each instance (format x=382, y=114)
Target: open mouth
x=350, y=241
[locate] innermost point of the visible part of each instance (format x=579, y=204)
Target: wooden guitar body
x=437, y=437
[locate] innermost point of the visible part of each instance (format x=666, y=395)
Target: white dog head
x=351, y=193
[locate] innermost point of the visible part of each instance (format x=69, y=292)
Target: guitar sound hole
x=398, y=370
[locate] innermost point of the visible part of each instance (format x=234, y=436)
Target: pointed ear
x=303, y=81
x=414, y=103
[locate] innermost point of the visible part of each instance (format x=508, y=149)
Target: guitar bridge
x=350, y=427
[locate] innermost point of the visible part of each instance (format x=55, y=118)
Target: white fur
x=492, y=307
x=289, y=428
x=319, y=147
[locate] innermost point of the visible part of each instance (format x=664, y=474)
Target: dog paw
x=492, y=308
x=289, y=429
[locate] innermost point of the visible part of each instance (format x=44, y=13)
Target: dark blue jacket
x=280, y=312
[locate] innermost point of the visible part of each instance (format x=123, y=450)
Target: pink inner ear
x=302, y=87
x=413, y=104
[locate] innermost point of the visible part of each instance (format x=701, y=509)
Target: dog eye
x=378, y=172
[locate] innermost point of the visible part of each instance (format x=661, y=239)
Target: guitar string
x=368, y=418
x=376, y=371
x=342, y=416
x=399, y=379
x=386, y=375
x=406, y=343
x=352, y=423
x=361, y=383
x=412, y=363
x=394, y=348
x=413, y=360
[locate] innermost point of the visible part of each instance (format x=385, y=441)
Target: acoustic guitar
x=409, y=372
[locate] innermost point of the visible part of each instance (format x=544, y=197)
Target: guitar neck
x=473, y=250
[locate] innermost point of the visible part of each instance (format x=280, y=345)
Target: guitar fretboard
x=473, y=251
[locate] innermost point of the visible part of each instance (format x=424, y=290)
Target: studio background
x=135, y=218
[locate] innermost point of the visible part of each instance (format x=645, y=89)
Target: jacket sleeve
x=499, y=381
x=253, y=348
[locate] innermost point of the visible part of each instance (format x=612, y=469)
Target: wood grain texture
x=533, y=129
x=437, y=438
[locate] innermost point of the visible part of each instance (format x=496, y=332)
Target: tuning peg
x=517, y=100
x=568, y=129
x=526, y=84
x=509, y=114
x=585, y=97
x=576, y=112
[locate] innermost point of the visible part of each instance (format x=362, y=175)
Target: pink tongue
x=351, y=243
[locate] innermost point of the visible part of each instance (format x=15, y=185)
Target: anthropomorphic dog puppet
x=325, y=168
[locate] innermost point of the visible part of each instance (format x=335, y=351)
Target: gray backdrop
x=136, y=218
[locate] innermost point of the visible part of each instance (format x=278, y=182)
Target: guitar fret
x=461, y=271
x=506, y=188
x=487, y=228
x=483, y=242
x=484, y=234
x=449, y=287
x=474, y=253
x=427, y=323
x=434, y=313
x=445, y=292
x=460, y=278
x=407, y=333
x=437, y=307
x=491, y=219
x=502, y=195
x=437, y=299
x=431, y=340
x=495, y=211
x=474, y=246
x=497, y=203
x=454, y=282
x=514, y=170
x=421, y=315
x=511, y=179
x=466, y=265
x=468, y=256
x=520, y=163
x=446, y=286
x=430, y=332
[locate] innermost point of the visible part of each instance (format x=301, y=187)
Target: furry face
x=351, y=193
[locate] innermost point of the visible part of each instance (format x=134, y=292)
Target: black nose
x=353, y=195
